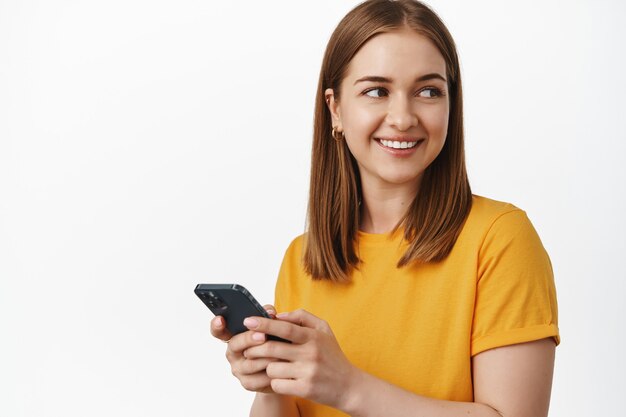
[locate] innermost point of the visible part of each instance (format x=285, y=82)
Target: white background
x=147, y=146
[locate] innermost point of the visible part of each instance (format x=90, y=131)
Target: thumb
x=219, y=330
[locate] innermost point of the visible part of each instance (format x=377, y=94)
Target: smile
x=394, y=144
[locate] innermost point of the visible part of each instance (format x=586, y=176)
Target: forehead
x=397, y=55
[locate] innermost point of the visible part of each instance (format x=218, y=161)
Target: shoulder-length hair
x=434, y=219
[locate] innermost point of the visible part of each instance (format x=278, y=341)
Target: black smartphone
x=234, y=303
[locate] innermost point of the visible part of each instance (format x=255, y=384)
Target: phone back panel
x=236, y=304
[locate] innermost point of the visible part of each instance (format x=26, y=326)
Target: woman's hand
x=313, y=366
x=250, y=372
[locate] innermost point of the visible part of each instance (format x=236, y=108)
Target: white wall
x=146, y=146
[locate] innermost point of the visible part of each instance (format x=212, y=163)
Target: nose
x=400, y=114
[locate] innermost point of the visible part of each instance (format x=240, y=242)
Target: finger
x=305, y=319
x=219, y=330
x=255, y=382
x=271, y=310
x=276, y=350
x=279, y=328
x=283, y=370
x=243, y=341
x=253, y=366
x=287, y=387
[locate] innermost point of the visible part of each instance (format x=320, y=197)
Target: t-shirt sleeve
x=283, y=300
x=280, y=292
x=515, y=294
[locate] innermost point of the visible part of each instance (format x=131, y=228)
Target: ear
x=333, y=107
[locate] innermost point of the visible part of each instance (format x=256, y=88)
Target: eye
x=375, y=92
x=431, y=92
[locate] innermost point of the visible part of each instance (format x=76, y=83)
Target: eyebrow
x=379, y=79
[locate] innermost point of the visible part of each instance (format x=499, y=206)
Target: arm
x=274, y=405
x=511, y=381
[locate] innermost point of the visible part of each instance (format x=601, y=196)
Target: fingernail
x=218, y=322
x=270, y=311
x=251, y=323
x=258, y=336
x=281, y=315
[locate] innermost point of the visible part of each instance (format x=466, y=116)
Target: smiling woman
x=396, y=133
x=407, y=294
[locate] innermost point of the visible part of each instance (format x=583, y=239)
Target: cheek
x=361, y=121
x=436, y=122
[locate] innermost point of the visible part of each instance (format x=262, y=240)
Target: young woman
x=408, y=295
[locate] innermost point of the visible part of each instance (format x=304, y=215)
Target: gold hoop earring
x=334, y=135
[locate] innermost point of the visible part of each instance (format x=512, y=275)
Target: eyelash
x=437, y=92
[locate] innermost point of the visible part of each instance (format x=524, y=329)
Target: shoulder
x=294, y=255
x=290, y=277
x=296, y=246
x=492, y=219
x=488, y=210
x=487, y=213
x=501, y=227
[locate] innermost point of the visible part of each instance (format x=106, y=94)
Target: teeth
x=397, y=145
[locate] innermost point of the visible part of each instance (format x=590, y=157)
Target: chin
x=400, y=179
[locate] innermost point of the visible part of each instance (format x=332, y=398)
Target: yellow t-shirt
x=417, y=327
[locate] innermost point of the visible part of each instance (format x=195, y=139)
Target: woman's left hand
x=313, y=366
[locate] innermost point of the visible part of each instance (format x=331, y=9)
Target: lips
x=399, y=146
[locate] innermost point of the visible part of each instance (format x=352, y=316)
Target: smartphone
x=234, y=303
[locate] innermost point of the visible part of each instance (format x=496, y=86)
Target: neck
x=383, y=206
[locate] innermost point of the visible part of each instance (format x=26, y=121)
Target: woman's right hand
x=250, y=372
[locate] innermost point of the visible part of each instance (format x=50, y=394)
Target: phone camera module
x=213, y=300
